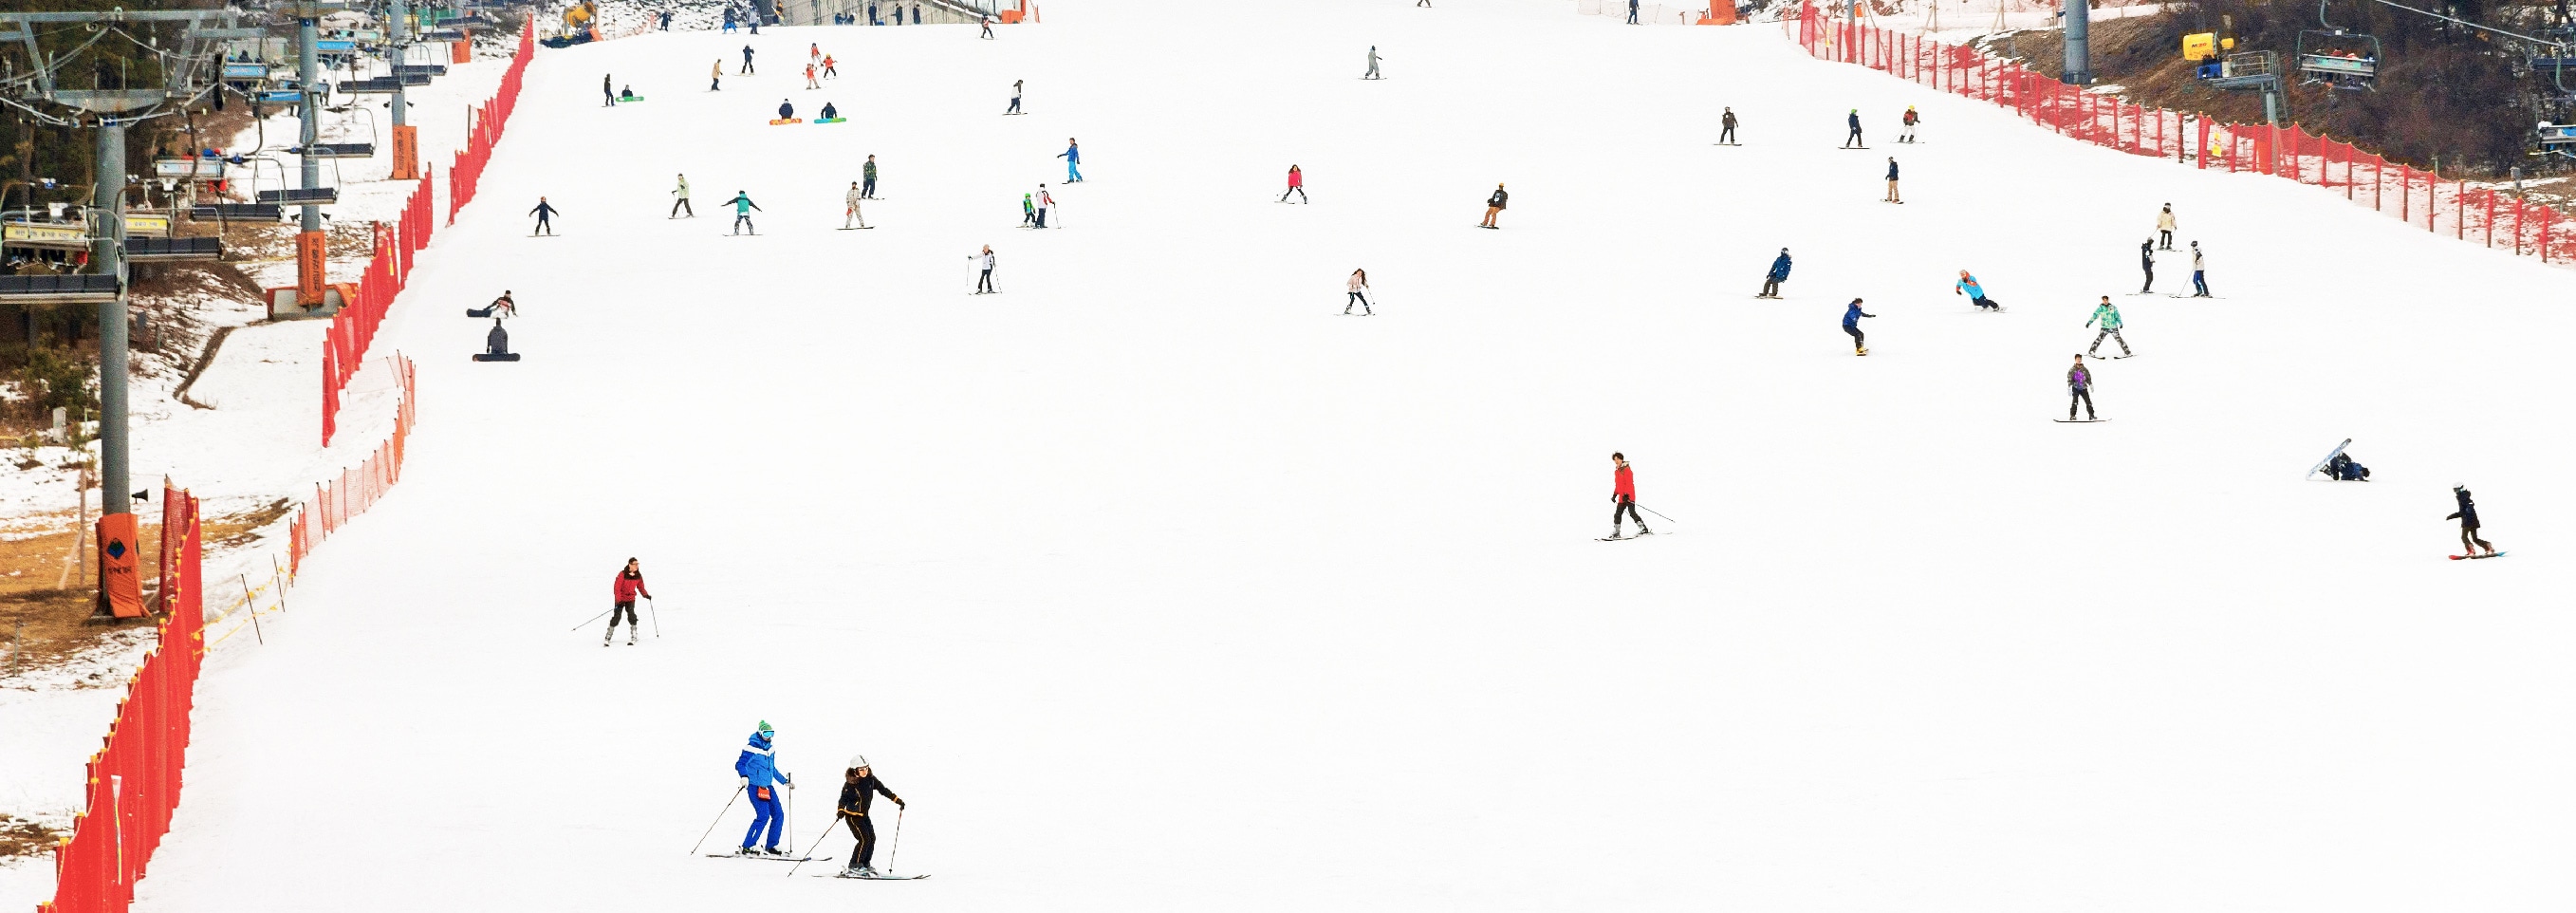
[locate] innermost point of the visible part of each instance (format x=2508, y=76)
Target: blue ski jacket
x=1780, y=268
x=1071, y=154
x=1855, y=120
x=756, y=763
x=1969, y=285
x=1851, y=318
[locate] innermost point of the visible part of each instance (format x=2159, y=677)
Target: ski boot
x=630, y=640
x=772, y=851
x=605, y=638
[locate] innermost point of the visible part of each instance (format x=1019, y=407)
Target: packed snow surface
x=1159, y=585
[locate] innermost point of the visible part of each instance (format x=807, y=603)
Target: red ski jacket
x=1625, y=486
x=627, y=587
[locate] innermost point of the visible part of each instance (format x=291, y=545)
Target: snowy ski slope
x=1158, y=585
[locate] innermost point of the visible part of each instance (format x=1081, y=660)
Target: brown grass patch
x=21, y=837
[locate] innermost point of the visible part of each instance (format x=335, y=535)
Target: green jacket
x=869, y=172
x=2108, y=315
x=742, y=204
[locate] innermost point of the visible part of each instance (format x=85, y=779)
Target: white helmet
x=858, y=761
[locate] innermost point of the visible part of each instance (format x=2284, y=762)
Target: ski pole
x=586, y=623
x=816, y=845
x=1656, y=513
x=791, y=813
x=711, y=825
x=650, y=606
x=896, y=845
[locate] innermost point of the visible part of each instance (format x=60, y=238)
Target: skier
x=742, y=207
x=2109, y=315
x=496, y=342
x=786, y=111
x=1854, y=139
x=813, y=53
x=1779, y=273
x=715, y=77
x=1296, y=185
x=984, y=283
x=1028, y=210
x=1072, y=156
x=2165, y=226
x=1016, y=86
x=1372, y=60
x=746, y=59
x=868, y=179
x=1046, y=202
x=1851, y=324
x=988, y=29
x=629, y=584
x=2147, y=263
x=2468, y=517
x=850, y=207
x=728, y=22
x=545, y=213
x=830, y=68
x=666, y=20
x=1726, y=128
x=1892, y=196
x=1623, y=497
x=1494, y=206
x=681, y=204
x=606, y=91
x=2079, y=389
x=810, y=83
x=758, y=768
x=829, y=112
x=1632, y=12
x=1967, y=285
x=1359, y=294
x=2199, y=276
x=1911, y=119
x=859, y=789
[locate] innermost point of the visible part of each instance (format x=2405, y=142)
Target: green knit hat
x=764, y=727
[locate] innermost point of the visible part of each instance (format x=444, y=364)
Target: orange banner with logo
x=120, y=590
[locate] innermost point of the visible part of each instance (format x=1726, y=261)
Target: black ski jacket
x=2468, y=514
x=856, y=796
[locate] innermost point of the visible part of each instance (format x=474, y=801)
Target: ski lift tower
x=311, y=291
x=188, y=74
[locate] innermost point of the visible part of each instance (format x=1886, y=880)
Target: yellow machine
x=2202, y=46
x=577, y=17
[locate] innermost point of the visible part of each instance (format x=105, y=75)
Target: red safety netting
x=356, y=489
x=486, y=124
x=2410, y=195
x=354, y=327
x=134, y=781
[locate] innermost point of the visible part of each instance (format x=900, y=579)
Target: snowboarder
x=2342, y=468
x=868, y=179
x=984, y=284
x=1854, y=139
x=2147, y=263
x=829, y=112
x=830, y=67
x=498, y=305
x=1779, y=273
x=1891, y=181
x=1726, y=128
x=681, y=203
x=1494, y=205
x=1359, y=294
x=758, y=768
x=1967, y=285
x=545, y=213
x=786, y=111
x=1046, y=201
x=629, y=584
x=742, y=207
x=1372, y=61
x=1072, y=156
x=1296, y=185
x=746, y=60
x=607, y=92
x=2079, y=389
x=2165, y=226
x=988, y=29
x=2109, y=316
x=1016, y=86
x=810, y=82
x=496, y=342
x=1911, y=119
x=850, y=207
x=2468, y=517
x=2199, y=275
x=859, y=789
x=715, y=77
x=1623, y=497
x=1851, y=324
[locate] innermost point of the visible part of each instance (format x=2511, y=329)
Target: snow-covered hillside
x=1159, y=585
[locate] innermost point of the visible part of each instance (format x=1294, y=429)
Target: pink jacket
x=1296, y=178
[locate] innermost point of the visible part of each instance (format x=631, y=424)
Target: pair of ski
x=802, y=859
x=1625, y=538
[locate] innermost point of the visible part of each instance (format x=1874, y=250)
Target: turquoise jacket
x=2108, y=315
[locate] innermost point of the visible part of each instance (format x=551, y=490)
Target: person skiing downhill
x=2079, y=389
x=2147, y=263
x=2109, y=316
x=868, y=179
x=1372, y=62
x=746, y=60
x=1359, y=294
x=680, y=201
x=859, y=789
x=813, y=53
x=742, y=207
x=1016, y=85
x=830, y=67
x=758, y=768
x=984, y=283
x=1779, y=273
x=2199, y=273
x=2468, y=517
x=810, y=81
x=1851, y=324
x=2165, y=226
x=1623, y=496
x=630, y=583
x=1046, y=201
x=1726, y=128
x=850, y=207
x=545, y=213
x=1911, y=119
x=1494, y=205
x=1892, y=196
x=1072, y=156
x=715, y=77
x=1296, y=185
x=1968, y=286
x=1854, y=139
